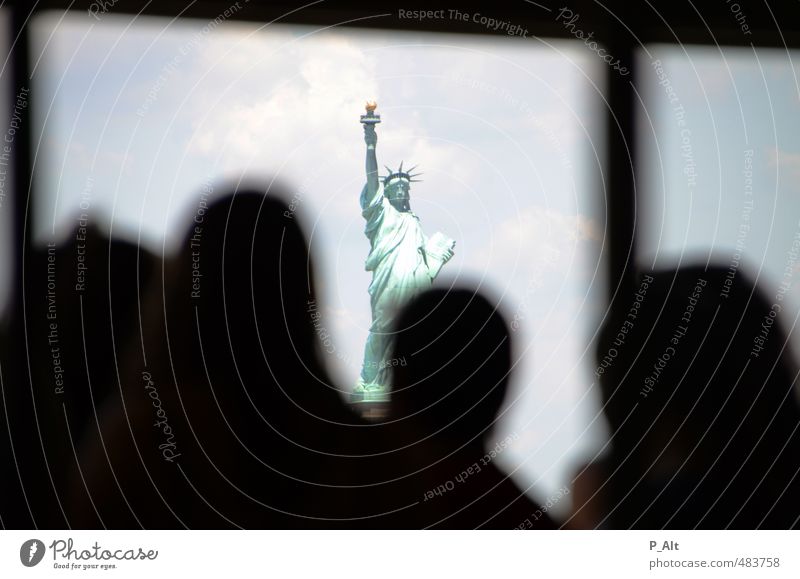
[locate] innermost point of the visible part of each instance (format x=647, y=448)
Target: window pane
x=139, y=117
x=721, y=150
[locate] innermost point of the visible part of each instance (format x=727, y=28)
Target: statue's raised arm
x=371, y=139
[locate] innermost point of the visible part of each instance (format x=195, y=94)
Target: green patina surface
x=402, y=259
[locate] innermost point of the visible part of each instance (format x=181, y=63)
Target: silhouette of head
x=245, y=356
x=454, y=357
x=246, y=281
x=698, y=404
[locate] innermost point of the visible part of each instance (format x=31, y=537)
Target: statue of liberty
x=402, y=259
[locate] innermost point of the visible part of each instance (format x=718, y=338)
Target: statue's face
x=398, y=195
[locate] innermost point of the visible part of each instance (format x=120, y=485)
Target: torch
x=371, y=118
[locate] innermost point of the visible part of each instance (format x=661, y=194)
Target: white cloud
x=540, y=236
x=284, y=92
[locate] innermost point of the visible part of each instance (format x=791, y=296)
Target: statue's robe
x=400, y=268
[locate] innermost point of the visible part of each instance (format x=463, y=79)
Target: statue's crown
x=400, y=174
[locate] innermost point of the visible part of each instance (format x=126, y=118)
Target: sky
x=741, y=135
x=138, y=116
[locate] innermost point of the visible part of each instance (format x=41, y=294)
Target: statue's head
x=397, y=188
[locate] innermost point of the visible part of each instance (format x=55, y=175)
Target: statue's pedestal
x=374, y=411
x=372, y=404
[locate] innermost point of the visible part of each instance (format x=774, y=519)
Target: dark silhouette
x=699, y=389
x=227, y=418
x=223, y=415
x=79, y=307
x=456, y=354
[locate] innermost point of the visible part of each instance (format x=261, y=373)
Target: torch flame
x=371, y=106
